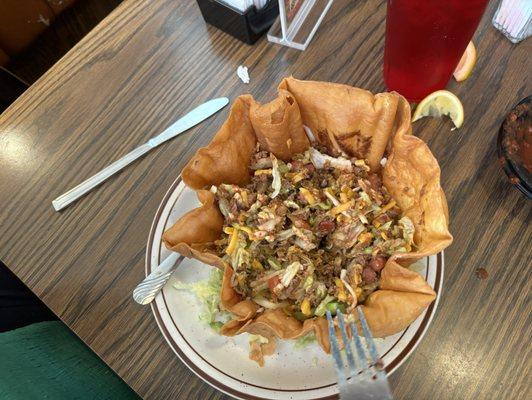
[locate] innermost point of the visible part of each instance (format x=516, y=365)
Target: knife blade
x=186, y=122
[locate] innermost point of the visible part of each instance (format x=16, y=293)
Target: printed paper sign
x=292, y=7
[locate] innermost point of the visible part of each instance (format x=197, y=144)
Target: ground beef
x=375, y=181
x=323, y=239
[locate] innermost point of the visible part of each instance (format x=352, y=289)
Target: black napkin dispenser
x=246, y=26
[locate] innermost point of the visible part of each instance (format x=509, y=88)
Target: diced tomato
x=273, y=282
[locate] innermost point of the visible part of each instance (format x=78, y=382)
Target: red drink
x=424, y=42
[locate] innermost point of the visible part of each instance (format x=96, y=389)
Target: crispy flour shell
x=344, y=119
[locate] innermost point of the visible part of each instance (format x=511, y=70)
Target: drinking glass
x=424, y=42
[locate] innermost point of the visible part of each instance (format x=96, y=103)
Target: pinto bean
x=368, y=275
x=310, y=168
x=326, y=226
x=377, y=263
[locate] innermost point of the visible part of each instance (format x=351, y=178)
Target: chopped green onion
x=273, y=264
x=336, y=305
x=283, y=168
x=323, y=205
x=216, y=325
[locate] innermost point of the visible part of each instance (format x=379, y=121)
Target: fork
x=363, y=378
x=146, y=290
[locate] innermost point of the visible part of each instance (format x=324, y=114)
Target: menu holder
x=298, y=22
x=246, y=26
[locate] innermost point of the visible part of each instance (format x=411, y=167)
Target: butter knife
x=191, y=119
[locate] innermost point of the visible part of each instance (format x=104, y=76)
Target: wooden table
x=149, y=62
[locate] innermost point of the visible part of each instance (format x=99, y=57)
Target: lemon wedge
x=441, y=102
x=466, y=63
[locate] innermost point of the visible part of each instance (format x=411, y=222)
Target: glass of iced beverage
x=424, y=42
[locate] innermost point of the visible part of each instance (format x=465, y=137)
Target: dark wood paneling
x=63, y=34
x=150, y=62
x=10, y=88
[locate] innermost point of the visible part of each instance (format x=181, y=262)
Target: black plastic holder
x=246, y=26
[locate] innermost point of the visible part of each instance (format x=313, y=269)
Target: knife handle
x=87, y=185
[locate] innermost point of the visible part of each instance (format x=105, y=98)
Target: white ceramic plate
x=223, y=362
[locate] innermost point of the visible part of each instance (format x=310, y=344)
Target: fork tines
x=364, y=375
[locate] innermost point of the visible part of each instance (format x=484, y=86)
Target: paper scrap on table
x=242, y=73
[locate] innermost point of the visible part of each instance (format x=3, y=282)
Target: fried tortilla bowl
x=344, y=120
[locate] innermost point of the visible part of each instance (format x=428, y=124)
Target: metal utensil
x=146, y=290
x=364, y=379
x=191, y=119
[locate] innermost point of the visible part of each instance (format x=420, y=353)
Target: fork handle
x=146, y=291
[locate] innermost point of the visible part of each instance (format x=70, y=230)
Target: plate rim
x=390, y=368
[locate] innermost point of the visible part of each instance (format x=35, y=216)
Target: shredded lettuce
x=322, y=307
x=408, y=229
x=290, y=273
x=261, y=301
x=241, y=256
x=321, y=289
x=291, y=204
x=276, y=183
x=305, y=340
x=216, y=325
x=208, y=292
x=284, y=235
x=322, y=160
x=333, y=199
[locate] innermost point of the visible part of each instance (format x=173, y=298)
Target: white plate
x=223, y=362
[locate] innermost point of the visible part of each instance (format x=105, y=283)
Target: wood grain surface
x=149, y=62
